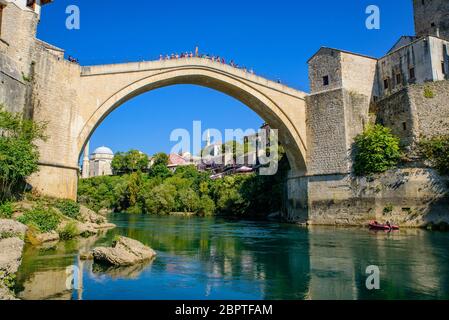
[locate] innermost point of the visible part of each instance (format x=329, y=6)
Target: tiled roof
x=176, y=160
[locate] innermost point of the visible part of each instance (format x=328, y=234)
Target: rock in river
x=124, y=252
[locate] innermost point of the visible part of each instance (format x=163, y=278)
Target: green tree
x=131, y=161
x=159, y=171
x=376, y=150
x=161, y=200
x=19, y=153
x=188, y=200
x=206, y=206
x=118, y=164
x=436, y=150
x=160, y=159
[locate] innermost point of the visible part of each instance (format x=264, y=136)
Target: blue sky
x=276, y=38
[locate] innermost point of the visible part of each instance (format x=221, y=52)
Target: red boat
x=374, y=225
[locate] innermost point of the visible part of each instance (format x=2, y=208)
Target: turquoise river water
x=215, y=258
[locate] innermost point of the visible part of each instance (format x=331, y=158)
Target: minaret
x=208, y=142
x=86, y=169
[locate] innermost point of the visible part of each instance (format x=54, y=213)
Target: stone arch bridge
x=74, y=100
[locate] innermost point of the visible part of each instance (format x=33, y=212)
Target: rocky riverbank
x=12, y=235
x=37, y=216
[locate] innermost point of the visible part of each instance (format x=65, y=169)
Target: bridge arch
x=266, y=99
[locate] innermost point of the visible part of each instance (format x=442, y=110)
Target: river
x=215, y=258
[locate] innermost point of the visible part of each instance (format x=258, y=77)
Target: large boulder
x=36, y=238
x=11, y=228
x=10, y=256
x=10, y=259
x=124, y=252
x=89, y=216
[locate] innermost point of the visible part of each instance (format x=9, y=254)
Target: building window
x=412, y=73
x=31, y=3
x=386, y=84
x=404, y=126
x=423, y=2
x=443, y=67
x=325, y=80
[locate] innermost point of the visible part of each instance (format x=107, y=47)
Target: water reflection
x=220, y=259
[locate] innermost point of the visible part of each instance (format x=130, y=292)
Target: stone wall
x=326, y=62
x=432, y=114
x=432, y=17
x=394, y=112
x=16, y=48
x=326, y=135
x=409, y=197
x=412, y=116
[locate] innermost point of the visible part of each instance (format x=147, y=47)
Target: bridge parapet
x=143, y=66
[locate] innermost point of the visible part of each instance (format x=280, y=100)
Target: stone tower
x=432, y=18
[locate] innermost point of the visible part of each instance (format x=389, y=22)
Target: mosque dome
x=104, y=150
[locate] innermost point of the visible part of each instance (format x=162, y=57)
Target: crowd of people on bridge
x=196, y=54
x=212, y=58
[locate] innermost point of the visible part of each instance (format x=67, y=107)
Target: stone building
x=403, y=90
x=100, y=162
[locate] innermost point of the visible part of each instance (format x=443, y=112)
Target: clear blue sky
x=276, y=38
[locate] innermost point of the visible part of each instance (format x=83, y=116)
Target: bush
x=377, y=150
x=428, y=93
x=43, y=219
x=69, y=208
x=18, y=152
x=8, y=280
x=6, y=210
x=69, y=232
x=436, y=150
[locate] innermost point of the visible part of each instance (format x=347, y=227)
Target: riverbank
x=38, y=222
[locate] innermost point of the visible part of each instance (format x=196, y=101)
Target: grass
x=6, y=210
x=9, y=280
x=41, y=218
x=69, y=208
x=69, y=232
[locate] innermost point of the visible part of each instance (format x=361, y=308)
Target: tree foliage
x=376, y=150
x=187, y=190
x=436, y=150
x=18, y=151
x=128, y=162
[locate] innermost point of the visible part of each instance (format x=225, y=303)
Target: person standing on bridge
x=197, y=51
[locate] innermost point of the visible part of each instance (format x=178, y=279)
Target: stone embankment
x=409, y=197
